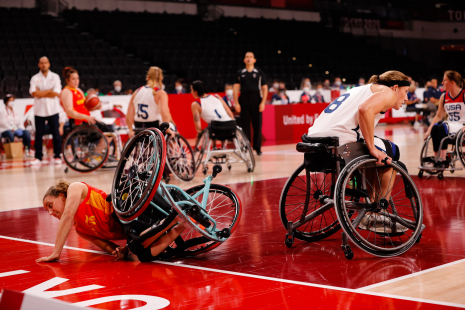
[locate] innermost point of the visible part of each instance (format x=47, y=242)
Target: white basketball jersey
x=340, y=118
x=213, y=110
x=147, y=109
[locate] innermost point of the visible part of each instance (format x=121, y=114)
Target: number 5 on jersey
x=141, y=111
x=336, y=103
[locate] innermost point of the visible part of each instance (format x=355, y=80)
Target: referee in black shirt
x=251, y=81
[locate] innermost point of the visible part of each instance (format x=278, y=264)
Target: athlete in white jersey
x=453, y=103
x=149, y=104
x=208, y=107
x=355, y=114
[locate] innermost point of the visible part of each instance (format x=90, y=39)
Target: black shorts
x=143, y=125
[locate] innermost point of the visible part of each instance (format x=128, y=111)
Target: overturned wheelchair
x=140, y=200
x=223, y=131
x=377, y=206
x=429, y=162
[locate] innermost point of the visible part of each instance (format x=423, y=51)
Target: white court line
x=342, y=289
x=12, y=273
x=369, y=287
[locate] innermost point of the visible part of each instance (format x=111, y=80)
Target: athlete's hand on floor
x=380, y=156
x=50, y=258
x=120, y=253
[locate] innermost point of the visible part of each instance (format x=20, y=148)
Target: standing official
x=251, y=82
x=45, y=88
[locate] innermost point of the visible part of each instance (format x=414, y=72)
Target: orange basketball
x=92, y=102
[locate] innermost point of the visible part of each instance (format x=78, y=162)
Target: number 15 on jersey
x=141, y=111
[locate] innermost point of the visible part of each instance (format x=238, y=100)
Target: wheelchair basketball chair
x=223, y=131
x=341, y=186
x=428, y=161
x=140, y=199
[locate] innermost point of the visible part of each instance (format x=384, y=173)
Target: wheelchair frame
x=352, y=155
x=223, y=156
x=454, y=156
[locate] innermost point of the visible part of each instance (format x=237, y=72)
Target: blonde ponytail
x=60, y=188
x=154, y=77
x=387, y=77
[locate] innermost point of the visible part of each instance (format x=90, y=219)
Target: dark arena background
x=291, y=219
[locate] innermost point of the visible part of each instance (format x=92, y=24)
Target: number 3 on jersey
x=141, y=112
x=336, y=103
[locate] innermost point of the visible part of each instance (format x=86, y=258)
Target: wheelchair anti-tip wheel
x=246, y=150
x=300, y=197
x=224, y=206
x=386, y=222
x=460, y=147
x=138, y=174
x=180, y=157
x=85, y=149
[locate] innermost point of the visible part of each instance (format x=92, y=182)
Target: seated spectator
x=338, y=83
x=128, y=92
x=228, y=97
x=280, y=96
x=305, y=97
x=11, y=125
x=305, y=83
x=326, y=85
x=411, y=102
x=361, y=82
x=274, y=86
x=318, y=97
x=117, y=89
x=178, y=88
x=431, y=96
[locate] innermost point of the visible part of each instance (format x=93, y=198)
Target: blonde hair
x=388, y=76
x=154, y=77
x=60, y=188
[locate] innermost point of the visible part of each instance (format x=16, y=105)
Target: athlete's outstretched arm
x=378, y=102
x=75, y=192
x=228, y=110
x=438, y=117
x=130, y=115
x=105, y=245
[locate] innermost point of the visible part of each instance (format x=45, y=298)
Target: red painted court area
x=252, y=270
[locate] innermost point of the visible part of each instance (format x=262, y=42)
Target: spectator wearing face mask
x=327, y=85
x=229, y=96
x=274, y=87
x=305, y=97
x=361, y=82
x=411, y=102
x=11, y=125
x=338, y=83
x=117, y=89
x=280, y=95
x=178, y=89
x=318, y=97
x=305, y=83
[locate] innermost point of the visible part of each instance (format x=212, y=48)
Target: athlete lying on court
x=86, y=208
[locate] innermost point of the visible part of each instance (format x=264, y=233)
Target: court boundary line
x=234, y=273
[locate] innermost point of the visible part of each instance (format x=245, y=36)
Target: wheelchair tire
x=428, y=143
x=246, y=150
x=221, y=201
x=383, y=227
x=291, y=205
x=199, y=149
x=180, y=158
x=138, y=174
x=79, y=147
x=460, y=147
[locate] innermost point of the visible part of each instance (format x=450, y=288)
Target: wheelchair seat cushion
x=222, y=130
x=330, y=141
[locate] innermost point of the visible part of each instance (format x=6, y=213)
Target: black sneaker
x=259, y=153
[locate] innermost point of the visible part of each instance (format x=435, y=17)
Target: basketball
x=92, y=102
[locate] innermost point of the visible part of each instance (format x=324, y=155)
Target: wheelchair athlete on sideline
x=86, y=208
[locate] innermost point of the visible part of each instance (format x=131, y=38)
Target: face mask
x=307, y=89
x=11, y=103
x=275, y=85
x=118, y=89
x=229, y=92
x=338, y=83
x=308, y=83
x=319, y=90
x=179, y=88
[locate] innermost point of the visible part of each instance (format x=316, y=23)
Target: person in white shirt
x=45, y=87
x=11, y=125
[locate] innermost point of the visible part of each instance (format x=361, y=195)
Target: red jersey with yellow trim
x=78, y=104
x=94, y=216
x=455, y=107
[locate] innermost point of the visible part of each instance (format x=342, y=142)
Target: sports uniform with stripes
x=455, y=109
x=212, y=109
x=341, y=118
x=147, y=111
